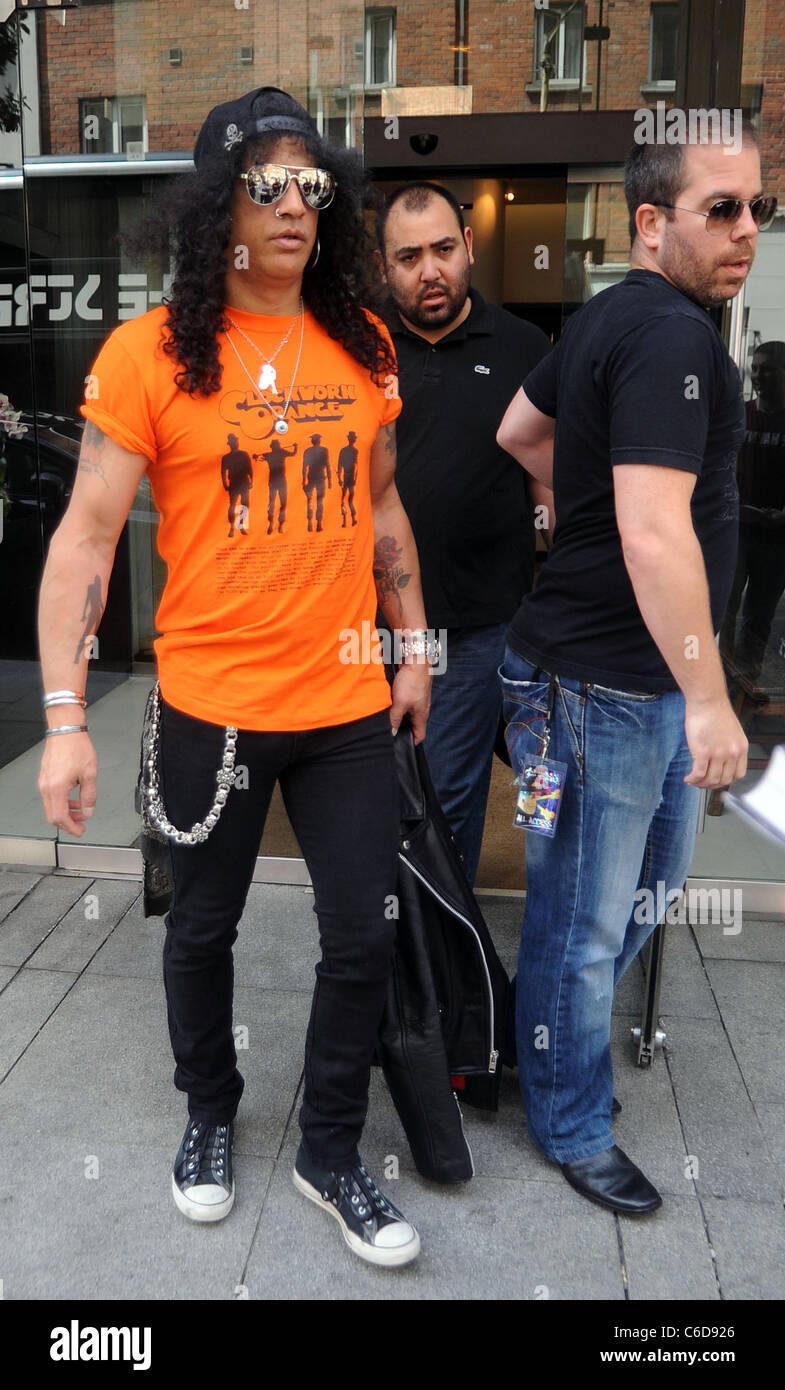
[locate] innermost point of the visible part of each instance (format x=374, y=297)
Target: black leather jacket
x=447, y=1001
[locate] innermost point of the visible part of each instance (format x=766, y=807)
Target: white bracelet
x=66, y=729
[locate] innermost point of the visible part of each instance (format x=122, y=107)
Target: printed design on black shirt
x=237, y=480
x=309, y=405
x=347, y=472
x=728, y=509
x=316, y=472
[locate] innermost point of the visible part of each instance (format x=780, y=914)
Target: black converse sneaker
x=202, y=1182
x=372, y=1227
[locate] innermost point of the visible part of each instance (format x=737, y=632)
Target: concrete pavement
x=91, y=1123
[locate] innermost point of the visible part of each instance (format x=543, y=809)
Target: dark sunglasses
x=266, y=183
x=726, y=211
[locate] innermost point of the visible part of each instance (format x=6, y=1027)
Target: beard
x=689, y=273
x=412, y=308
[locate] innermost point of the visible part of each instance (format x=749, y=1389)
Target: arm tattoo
x=91, y=617
x=389, y=437
x=90, y=454
x=388, y=571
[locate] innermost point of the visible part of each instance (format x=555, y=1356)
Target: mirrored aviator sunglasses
x=266, y=183
x=728, y=210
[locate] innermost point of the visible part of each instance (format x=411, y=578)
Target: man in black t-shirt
x=612, y=669
x=471, y=508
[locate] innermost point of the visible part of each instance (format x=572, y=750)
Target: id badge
x=539, y=796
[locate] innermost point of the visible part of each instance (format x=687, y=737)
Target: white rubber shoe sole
x=202, y=1211
x=388, y=1256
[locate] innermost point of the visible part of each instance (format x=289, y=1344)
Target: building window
x=663, y=42
x=113, y=125
x=559, y=35
x=380, y=48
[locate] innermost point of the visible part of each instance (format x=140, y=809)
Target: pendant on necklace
x=281, y=426
x=267, y=378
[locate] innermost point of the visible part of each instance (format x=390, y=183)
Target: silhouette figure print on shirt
x=237, y=479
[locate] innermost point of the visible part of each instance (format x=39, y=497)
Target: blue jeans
x=462, y=726
x=627, y=821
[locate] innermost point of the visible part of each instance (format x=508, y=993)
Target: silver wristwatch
x=420, y=644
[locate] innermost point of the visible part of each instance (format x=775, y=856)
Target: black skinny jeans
x=341, y=793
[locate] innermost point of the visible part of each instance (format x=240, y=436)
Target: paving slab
x=15, y=884
x=772, y=1122
x=720, y=1125
x=37, y=915
x=26, y=1004
x=103, y=1225
x=668, y=1256
x=747, y=1240
x=79, y=934
x=277, y=945
x=7, y=973
x=133, y=948
x=489, y=1239
x=686, y=991
x=113, y=1031
x=750, y=993
x=760, y=1059
x=756, y=941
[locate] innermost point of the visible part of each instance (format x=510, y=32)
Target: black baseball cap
x=256, y=113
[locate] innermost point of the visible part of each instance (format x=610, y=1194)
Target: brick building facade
x=116, y=48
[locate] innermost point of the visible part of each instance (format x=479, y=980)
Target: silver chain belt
x=153, y=809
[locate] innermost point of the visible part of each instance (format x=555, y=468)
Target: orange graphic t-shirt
x=267, y=537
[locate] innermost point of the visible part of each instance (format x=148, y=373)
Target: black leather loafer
x=613, y=1181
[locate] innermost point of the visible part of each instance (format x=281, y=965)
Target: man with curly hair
x=265, y=334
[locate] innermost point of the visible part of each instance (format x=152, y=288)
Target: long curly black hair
x=197, y=221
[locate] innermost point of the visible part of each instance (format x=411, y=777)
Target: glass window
x=663, y=42
x=380, y=48
x=113, y=125
x=559, y=38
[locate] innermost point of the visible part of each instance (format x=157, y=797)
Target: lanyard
x=546, y=737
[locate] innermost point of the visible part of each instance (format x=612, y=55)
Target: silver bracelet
x=66, y=729
x=63, y=697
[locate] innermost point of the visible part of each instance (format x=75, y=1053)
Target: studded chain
x=155, y=811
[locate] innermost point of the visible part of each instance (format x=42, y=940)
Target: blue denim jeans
x=627, y=821
x=462, y=727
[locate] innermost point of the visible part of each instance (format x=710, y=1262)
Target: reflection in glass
x=760, y=572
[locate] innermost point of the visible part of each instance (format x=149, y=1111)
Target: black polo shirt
x=640, y=375
x=466, y=498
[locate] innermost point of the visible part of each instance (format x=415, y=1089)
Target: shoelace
x=200, y=1137
x=366, y=1198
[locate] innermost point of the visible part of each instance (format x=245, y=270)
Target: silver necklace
x=267, y=375
x=280, y=426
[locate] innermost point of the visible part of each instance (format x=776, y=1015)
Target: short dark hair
x=654, y=173
x=774, y=350
x=415, y=198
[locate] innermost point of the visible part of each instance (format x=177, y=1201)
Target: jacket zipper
x=463, y=1132
x=494, y=1057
